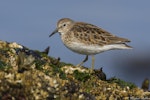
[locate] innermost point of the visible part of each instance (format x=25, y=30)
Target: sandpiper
x=87, y=39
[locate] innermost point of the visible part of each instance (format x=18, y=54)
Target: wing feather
x=91, y=34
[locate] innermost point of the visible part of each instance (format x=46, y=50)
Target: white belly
x=92, y=49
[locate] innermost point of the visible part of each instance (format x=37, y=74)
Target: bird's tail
x=124, y=46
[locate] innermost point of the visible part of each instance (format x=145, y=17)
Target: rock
x=30, y=75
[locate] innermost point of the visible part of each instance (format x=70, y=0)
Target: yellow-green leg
x=85, y=59
x=93, y=62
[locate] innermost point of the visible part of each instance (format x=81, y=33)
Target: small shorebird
x=87, y=39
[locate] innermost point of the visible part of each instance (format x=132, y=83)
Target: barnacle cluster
x=33, y=75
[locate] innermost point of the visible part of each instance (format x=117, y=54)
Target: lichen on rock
x=33, y=75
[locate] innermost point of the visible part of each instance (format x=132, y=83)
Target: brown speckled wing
x=91, y=34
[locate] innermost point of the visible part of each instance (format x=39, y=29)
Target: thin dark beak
x=55, y=31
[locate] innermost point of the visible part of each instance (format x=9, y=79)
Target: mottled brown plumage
x=90, y=34
x=88, y=39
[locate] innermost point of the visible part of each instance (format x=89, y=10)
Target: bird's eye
x=64, y=24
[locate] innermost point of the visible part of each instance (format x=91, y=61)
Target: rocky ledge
x=33, y=75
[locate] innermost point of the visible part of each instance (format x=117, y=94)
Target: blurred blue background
x=30, y=22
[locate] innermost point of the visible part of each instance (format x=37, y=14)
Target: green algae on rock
x=32, y=75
